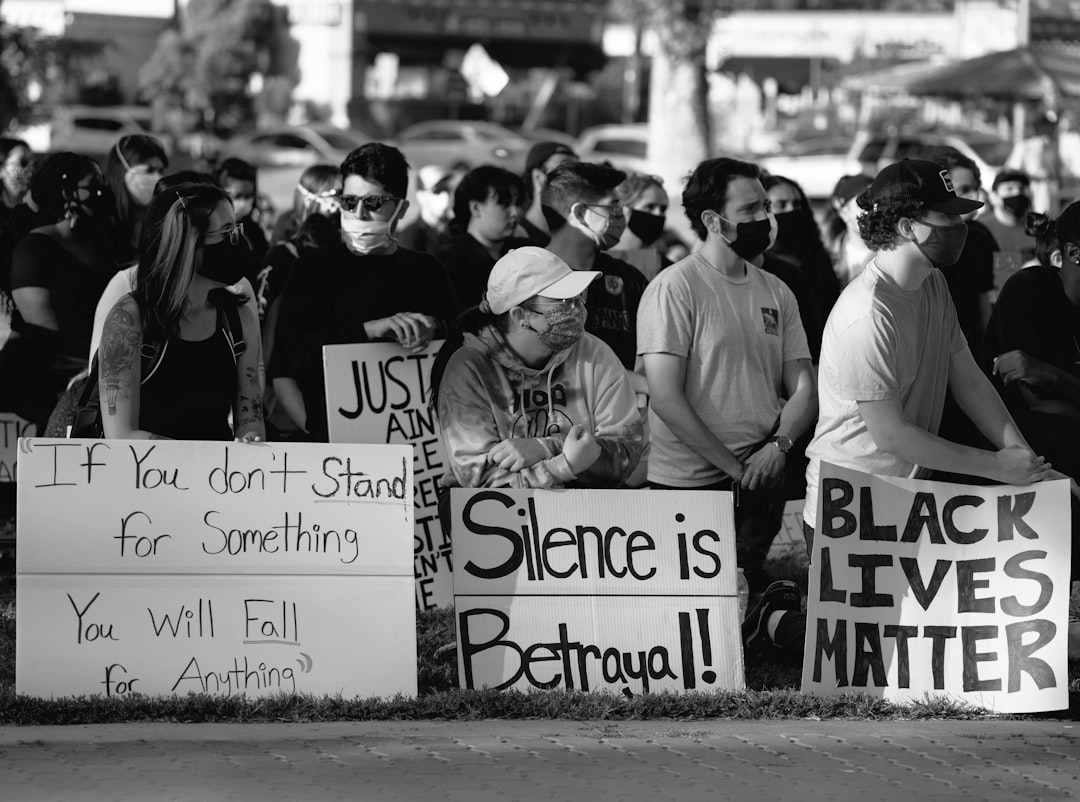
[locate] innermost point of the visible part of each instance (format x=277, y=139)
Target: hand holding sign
x=1017, y=366
x=517, y=453
x=581, y=449
x=410, y=329
x=1017, y=465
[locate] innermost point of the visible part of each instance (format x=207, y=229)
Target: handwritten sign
x=12, y=427
x=378, y=393
x=621, y=590
x=924, y=587
x=224, y=568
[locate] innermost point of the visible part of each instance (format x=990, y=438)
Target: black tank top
x=190, y=395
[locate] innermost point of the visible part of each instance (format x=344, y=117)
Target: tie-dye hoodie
x=489, y=395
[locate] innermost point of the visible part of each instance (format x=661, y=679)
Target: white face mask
x=243, y=208
x=368, y=236
x=140, y=183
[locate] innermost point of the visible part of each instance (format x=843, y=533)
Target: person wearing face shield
x=524, y=395
x=240, y=180
x=1010, y=201
x=727, y=362
x=434, y=195
x=893, y=345
x=363, y=288
x=135, y=164
x=586, y=220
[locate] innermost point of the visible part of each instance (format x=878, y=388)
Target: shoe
x=779, y=596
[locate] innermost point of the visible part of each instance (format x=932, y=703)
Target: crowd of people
x=926, y=327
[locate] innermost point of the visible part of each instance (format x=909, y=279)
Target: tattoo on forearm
x=250, y=409
x=118, y=351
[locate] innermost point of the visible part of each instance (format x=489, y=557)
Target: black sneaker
x=780, y=595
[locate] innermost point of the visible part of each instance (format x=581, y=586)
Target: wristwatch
x=783, y=444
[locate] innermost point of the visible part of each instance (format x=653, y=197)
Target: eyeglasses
x=371, y=203
x=613, y=210
x=568, y=305
x=233, y=233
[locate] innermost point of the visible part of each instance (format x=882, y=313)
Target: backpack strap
x=229, y=320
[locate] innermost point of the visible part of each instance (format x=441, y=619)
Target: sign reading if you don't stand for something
x=378, y=393
x=923, y=588
x=170, y=567
x=620, y=590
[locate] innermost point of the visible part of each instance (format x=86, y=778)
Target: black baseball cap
x=542, y=151
x=919, y=181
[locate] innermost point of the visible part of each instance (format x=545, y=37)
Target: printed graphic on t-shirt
x=535, y=417
x=614, y=285
x=771, y=318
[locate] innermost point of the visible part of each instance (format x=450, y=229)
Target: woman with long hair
x=58, y=272
x=319, y=190
x=133, y=168
x=15, y=161
x=191, y=250
x=645, y=203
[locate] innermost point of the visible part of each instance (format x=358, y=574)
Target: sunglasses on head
x=371, y=203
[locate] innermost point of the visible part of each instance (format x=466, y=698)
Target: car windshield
x=339, y=140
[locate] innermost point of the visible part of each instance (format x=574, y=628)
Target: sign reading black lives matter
x=923, y=588
x=620, y=590
x=12, y=427
x=378, y=393
x=222, y=568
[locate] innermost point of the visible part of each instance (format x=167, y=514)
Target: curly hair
x=877, y=224
x=1044, y=231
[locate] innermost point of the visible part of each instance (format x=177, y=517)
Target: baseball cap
x=528, y=271
x=542, y=151
x=849, y=186
x=920, y=181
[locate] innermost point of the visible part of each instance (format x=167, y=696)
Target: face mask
x=225, y=262
x=141, y=186
x=17, y=180
x=564, y=328
x=1017, y=204
x=754, y=238
x=242, y=208
x=367, y=236
x=944, y=245
x=646, y=227
x=611, y=232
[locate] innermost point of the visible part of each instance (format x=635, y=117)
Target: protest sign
x=378, y=393
x=621, y=590
x=12, y=427
x=224, y=568
x=923, y=588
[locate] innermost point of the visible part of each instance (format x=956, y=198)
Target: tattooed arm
x=120, y=372
x=247, y=409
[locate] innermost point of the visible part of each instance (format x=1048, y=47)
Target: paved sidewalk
x=544, y=760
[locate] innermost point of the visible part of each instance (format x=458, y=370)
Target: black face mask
x=1017, y=204
x=752, y=239
x=646, y=227
x=225, y=262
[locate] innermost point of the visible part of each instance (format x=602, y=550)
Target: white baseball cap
x=525, y=272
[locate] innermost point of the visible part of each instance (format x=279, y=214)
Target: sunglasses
x=233, y=233
x=371, y=203
x=570, y=304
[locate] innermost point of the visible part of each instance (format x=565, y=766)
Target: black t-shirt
x=970, y=278
x=329, y=297
x=813, y=320
x=468, y=265
x=1032, y=314
x=421, y=237
x=612, y=305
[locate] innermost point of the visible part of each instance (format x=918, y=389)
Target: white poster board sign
x=224, y=568
x=620, y=590
x=923, y=587
x=378, y=393
x=12, y=427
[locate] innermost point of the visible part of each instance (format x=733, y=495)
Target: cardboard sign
x=12, y=427
x=378, y=393
x=620, y=590
x=931, y=588
x=224, y=568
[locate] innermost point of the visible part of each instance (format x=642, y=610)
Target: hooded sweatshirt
x=489, y=395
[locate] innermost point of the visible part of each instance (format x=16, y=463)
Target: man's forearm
x=980, y=402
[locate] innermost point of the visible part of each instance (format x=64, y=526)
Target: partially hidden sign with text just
x=170, y=567
x=621, y=590
x=926, y=588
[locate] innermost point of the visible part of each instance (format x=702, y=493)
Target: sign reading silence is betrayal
x=12, y=427
x=620, y=590
x=378, y=393
x=923, y=588
x=170, y=567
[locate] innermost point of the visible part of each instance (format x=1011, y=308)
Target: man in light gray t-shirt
x=723, y=344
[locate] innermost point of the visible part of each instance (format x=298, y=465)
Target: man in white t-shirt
x=892, y=346
x=723, y=347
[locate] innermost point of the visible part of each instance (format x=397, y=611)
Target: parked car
x=622, y=146
x=295, y=145
x=93, y=130
x=815, y=164
x=462, y=144
x=872, y=151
